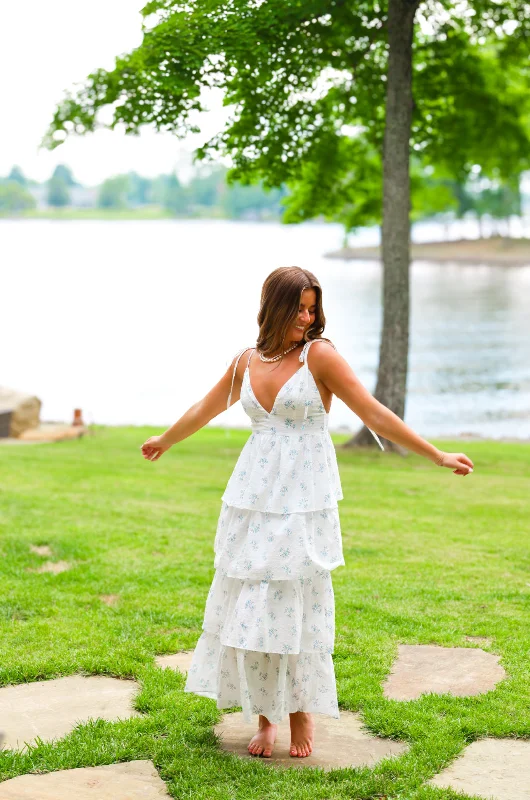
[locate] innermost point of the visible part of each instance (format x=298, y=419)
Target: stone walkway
x=51, y=709
x=498, y=768
x=460, y=671
x=339, y=743
x=133, y=780
x=489, y=768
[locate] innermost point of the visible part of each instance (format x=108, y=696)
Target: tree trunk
x=393, y=353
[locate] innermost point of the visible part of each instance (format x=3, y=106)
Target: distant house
x=80, y=196
x=83, y=197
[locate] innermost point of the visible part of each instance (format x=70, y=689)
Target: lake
x=133, y=322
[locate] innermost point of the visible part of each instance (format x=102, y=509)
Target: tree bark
x=393, y=352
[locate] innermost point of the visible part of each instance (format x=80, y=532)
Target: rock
x=19, y=411
x=490, y=768
x=51, y=709
x=132, y=780
x=461, y=671
x=339, y=743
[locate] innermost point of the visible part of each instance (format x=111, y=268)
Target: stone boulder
x=18, y=412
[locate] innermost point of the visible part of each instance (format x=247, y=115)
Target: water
x=134, y=322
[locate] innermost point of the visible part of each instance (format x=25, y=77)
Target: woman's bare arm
x=334, y=371
x=199, y=414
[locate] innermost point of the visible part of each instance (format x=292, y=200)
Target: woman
x=269, y=622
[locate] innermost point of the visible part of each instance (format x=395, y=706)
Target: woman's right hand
x=458, y=462
x=154, y=447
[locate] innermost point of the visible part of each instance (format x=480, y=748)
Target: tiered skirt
x=269, y=622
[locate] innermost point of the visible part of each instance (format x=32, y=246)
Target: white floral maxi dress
x=269, y=622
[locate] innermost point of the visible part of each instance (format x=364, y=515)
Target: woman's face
x=306, y=314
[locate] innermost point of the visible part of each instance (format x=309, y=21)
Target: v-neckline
x=282, y=387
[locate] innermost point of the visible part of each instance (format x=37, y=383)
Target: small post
x=78, y=418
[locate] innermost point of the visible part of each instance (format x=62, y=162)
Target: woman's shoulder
x=234, y=363
x=319, y=352
x=320, y=346
x=322, y=340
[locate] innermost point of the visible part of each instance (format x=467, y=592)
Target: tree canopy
x=305, y=80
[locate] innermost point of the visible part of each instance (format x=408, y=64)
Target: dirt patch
x=41, y=549
x=52, y=566
x=109, y=599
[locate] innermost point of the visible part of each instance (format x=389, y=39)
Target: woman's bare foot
x=262, y=743
x=302, y=734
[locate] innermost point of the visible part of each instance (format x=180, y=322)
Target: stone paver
x=41, y=549
x=461, y=671
x=490, y=768
x=179, y=661
x=55, y=567
x=339, y=743
x=51, y=709
x=134, y=780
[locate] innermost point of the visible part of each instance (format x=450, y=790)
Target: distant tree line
x=208, y=194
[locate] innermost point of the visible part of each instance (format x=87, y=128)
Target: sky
x=47, y=47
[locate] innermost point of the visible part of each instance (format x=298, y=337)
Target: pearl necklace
x=275, y=358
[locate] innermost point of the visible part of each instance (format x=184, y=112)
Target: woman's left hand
x=154, y=447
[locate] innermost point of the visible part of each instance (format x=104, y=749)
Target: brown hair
x=280, y=300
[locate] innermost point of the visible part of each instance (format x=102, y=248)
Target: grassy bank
x=494, y=250
x=154, y=212
x=430, y=558
x=142, y=213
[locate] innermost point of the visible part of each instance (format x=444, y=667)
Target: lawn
x=430, y=559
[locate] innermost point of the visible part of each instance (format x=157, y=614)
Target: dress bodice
x=298, y=406
x=288, y=464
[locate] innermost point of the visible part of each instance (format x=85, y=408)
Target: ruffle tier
x=263, y=545
x=296, y=616
x=272, y=684
x=285, y=473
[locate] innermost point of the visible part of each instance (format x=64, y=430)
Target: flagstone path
x=497, y=768
x=339, y=743
x=488, y=768
x=51, y=709
x=133, y=780
x=461, y=671
x=179, y=661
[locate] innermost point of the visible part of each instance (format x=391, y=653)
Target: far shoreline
x=495, y=250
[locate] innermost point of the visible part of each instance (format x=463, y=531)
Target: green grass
x=144, y=212
x=430, y=558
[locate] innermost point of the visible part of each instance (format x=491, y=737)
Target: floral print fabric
x=269, y=621
x=260, y=544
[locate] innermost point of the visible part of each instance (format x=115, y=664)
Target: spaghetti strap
x=238, y=354
x=303, y=357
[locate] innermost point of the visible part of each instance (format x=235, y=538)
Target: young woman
x=269, y=622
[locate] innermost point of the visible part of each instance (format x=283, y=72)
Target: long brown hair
x=280, y=301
